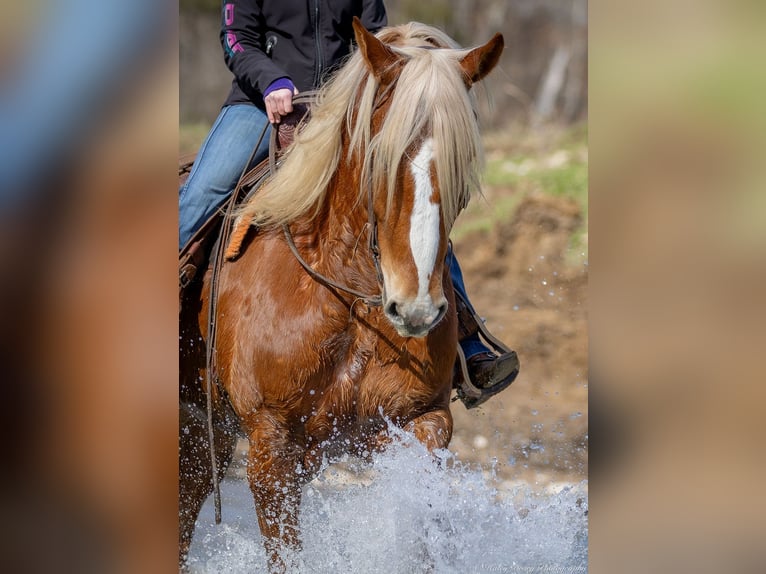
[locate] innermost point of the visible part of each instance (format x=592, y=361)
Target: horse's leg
x=194, y=484
x=433, y=429
x=276, y=485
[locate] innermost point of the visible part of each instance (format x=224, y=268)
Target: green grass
x=483, y=216
x=553, y=164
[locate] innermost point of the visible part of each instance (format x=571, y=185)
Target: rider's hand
x=279, y=103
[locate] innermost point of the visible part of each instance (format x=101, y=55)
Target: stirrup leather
x=189, y=263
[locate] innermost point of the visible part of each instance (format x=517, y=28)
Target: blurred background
x=542, y=77
x=88, y=286
x=674, y=256
x=678, y=261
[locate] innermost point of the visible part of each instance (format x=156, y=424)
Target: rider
x=276, y=50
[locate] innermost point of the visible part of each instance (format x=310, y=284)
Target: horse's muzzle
x=415, y=318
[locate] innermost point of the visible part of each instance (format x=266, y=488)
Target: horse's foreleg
x=433, y=429
x=276, y=485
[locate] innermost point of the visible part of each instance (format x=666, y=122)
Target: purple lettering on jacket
x=229, y=14
x=232, y=43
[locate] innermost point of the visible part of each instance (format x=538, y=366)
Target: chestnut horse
x=315, y=357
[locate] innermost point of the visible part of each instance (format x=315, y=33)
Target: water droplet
x=480, y=441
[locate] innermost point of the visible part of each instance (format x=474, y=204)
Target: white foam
x=405, y=514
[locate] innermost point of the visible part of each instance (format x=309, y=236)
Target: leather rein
x=372, y=224
x=370, y=300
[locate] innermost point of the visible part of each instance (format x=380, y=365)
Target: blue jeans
x=473, y=344
x=220, y=162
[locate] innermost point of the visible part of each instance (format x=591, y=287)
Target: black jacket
x=264, y=40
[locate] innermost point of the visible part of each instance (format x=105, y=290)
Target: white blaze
x=424, y=222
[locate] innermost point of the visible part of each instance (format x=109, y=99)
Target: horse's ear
x=380, y=59
x=480, y=61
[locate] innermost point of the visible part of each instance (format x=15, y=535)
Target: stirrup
x=469, y=323
x=471, y=395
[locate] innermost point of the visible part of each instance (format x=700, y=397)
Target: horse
x=335, y=310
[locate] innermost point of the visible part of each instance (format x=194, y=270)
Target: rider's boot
x=484, y=374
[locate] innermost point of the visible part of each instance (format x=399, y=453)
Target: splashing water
x=406, y=513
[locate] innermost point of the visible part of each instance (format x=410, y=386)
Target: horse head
x=422, y=136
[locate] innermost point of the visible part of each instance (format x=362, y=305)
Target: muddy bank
x=519, y=279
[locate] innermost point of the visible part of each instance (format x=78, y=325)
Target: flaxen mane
x=429, y=98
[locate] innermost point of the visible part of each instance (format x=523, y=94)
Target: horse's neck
x=345, y=225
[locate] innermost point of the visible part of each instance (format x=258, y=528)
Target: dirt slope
x=533, y=300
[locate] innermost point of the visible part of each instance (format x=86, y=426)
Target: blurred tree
x=542, y=76
x=200, y=5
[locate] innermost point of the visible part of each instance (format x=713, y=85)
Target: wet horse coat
x=392, y=150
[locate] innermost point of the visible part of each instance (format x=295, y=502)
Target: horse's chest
x=357, y=396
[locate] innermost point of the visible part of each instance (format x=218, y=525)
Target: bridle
x=374, y=247
x=372, y=226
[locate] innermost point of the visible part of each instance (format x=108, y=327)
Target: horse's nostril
x=391, y=309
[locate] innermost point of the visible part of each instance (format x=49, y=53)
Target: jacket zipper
x=318, y=65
